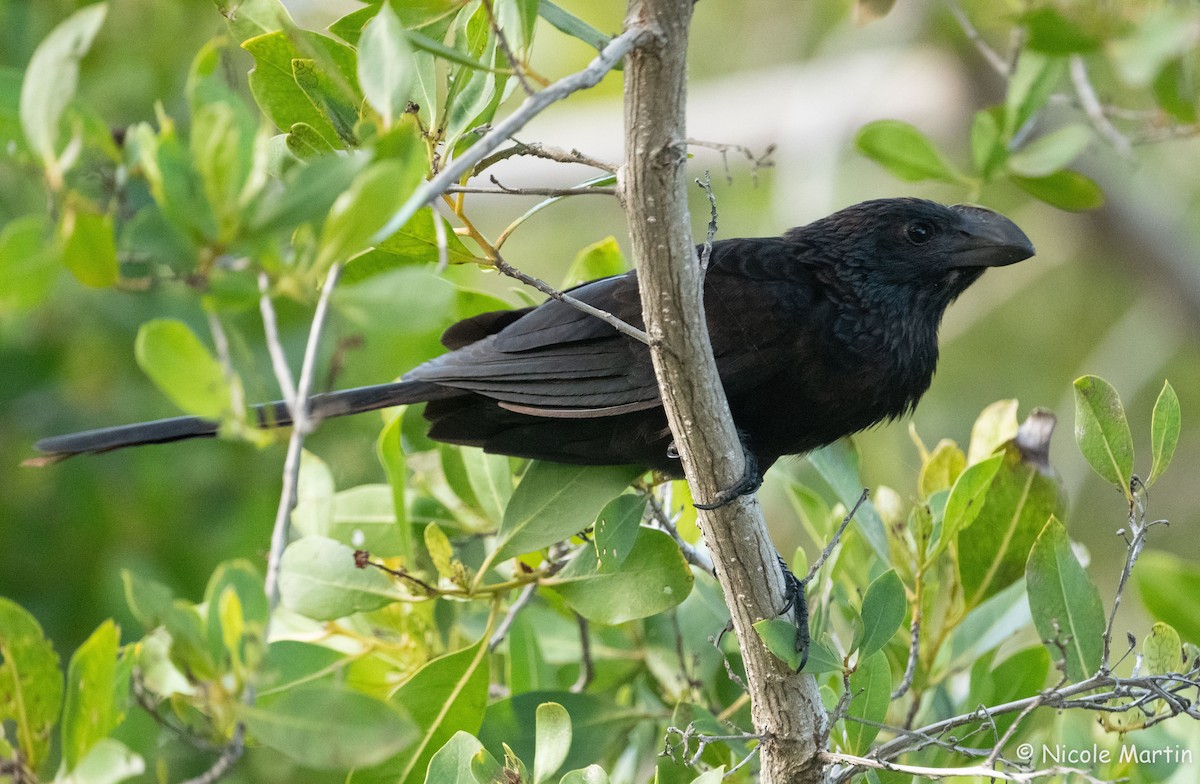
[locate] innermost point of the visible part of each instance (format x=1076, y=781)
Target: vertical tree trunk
x=787, y=710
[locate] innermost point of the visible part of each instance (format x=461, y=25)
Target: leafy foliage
x=473, y=618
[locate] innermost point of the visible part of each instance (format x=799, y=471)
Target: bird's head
x=919, y=243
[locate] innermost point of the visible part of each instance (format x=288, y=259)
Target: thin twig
x=998, y=63
x=914, y=647
x=1094, y=109
x=829, y=548
x=503, y=191
x=587, y=669
x=1137, y=525
x=283, y=373
x=706, y=252
x=517, y=66
x=507, y=621
x=692, y=554
x=545, y=151
x=300, y=429
x=229, y=756
x=623, y=327
x=981, y=771
x=756, y=162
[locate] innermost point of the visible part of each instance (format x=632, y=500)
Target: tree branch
x=786, y=706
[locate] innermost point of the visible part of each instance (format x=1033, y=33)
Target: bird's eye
x=919, y=232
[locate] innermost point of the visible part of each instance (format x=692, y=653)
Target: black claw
x=798, y=604
x=750, y=481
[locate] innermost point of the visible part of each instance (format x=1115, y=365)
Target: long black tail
x=162, y=431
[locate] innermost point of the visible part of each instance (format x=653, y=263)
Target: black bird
x=818, y=333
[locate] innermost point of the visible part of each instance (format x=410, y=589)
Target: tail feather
x=269, y=415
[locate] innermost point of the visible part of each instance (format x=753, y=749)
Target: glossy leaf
x=905, y=152
x=1102, y=431
x=553, y=740
x=1050, y=153
x=941, y=468
x=512, y=721
x=554, y=501
x=92, y=709
x=329, y=727
x=452, y=763
x=1162, y=650
x=568, y=23
x=1065, y=603
x=966, y=499
x=1034, y=79
x=838, y=465
x=182, y=368
x=598, y=260
x=617, y=531
x=53, y=75
x=779, y=635
x=995, y=425
x=1020, y=676
x=446, y=696
x=318, y=579
x=871, y=687
x=1066, y=189
x=883, y=611
x=89, y=250
x=653, y=578
x=385, y=65
x=365, y=207
x=988, y=150
x=1164, y=431
x=389, y=449
x=31, y=684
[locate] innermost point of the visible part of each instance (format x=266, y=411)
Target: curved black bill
x=989, y=239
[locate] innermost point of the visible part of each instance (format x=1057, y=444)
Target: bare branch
x=998, y=63
x=756, y=162
x=548, y=152
x=507, y=621
x=1094, y=109
x=624, y=328
x=230, y=754
x=693, y=555
x=981, y=771
x=463, y=165
x=517, y=66
x=837, y=536
x=300, y=428
x=587, y=670
x=283, y=373
x=914, y=650
x=505, y=191
x=706, y=252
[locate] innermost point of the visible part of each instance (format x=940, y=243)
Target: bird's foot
x=798, y=605
x=750, y=481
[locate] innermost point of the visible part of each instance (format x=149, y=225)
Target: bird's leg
x=750, y=481
x=796, y=601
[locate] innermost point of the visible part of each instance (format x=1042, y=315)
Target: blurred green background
x=1115, y=292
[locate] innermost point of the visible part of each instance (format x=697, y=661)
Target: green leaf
x=905, y=152
x=779, y=635
x=491, y=480
x=364, y=517
x=330, y=728
x=1164, y=431
x=242, y=621
x=988, y=150
x=452, y=763
x=249, y=18
x=365, y=207
x=1161, y=35
x=183, y=369
x=389, y=449
x=1163, y=650
x=993, y=552
x=566, y=22
x=414, y=243
x=553, y=740
x=1102, y=431
x=1064, y=602
x=28, y=270
x=385, y=65
x=336, y=100
x=441, y=552
x=883, y=610
x=1035, y=78
x=592, y=774
x=94, y=704
x=1161, y=579
x=1174, y=94
x=1019, y=676
x=598, y=260
x=313, y=514
x=152, y=604
x=601, y=725
x=838, y=465
x=1051, y=32
x=986, y=627
x=1066, y=189
x=966, y=500
x=653, y=578
x=995, y=425
x=318, y=579
x=871, y=687
x=107, y=762
x=554, y=501
x=31, y=684
x=446, y=696
x=1050, y=153
x=939, y=471
x=617, y=530
x=53, y=75
x=88, y=248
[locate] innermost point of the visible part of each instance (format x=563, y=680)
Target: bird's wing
x=557, y=361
